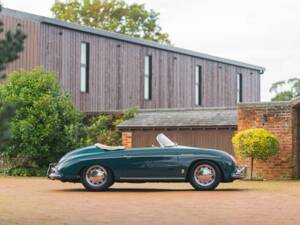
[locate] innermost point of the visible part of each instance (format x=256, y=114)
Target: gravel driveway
x=38, y=201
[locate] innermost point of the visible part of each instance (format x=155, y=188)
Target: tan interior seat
x=110, y=148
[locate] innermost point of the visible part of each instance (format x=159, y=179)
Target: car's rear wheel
x=205, y=176
x=96, y=178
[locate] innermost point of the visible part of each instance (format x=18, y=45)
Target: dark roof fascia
x=191, y=109
x=177, y=127
x=126, y=38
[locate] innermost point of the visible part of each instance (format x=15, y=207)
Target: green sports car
x=97, y=167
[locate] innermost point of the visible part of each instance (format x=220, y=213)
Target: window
x=198, y=84
x=84, y=67
x=239, y=88
x=148, y=78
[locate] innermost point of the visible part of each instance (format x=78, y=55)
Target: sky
x=260, y=32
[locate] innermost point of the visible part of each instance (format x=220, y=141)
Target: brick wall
x=278, y=118
x=127, y=139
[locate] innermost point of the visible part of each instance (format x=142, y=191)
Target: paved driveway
x=38, y=201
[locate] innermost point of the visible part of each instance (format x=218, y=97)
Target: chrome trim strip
x=128, y=156
x=149, y=156
x=186, y=155
x=199, y=156
x=152, y=178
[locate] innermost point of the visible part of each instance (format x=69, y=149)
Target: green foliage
x=112, y=15
x=130, y=113
x=10, y=46
x=286, y=90
x=103, y=128
x=255, y=143
x=47, y=125
x=27, y=171
x=6, y=113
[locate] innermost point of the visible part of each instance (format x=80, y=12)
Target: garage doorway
x=206, y=138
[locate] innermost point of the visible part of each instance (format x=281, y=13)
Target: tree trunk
x=251, y=171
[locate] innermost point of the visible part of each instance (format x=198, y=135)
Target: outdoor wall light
x=264, y=119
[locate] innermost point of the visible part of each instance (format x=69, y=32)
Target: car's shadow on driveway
x=149, y=190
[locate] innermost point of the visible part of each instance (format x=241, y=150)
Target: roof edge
x=187, y=109
x=126, y=38
x=123, y=127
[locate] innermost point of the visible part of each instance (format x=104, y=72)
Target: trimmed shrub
x=256, y=143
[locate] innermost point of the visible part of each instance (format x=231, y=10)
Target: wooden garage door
x=209, y=138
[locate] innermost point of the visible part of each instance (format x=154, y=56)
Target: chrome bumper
x=53, y=173
x=239, y=173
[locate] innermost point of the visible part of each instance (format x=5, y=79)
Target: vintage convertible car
x=99, y=166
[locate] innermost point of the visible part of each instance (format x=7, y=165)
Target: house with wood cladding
x=177, y=90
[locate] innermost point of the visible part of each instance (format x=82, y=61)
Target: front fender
x=226, y=167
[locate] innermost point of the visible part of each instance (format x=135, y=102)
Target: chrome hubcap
x=96, y=176
x=205, y=174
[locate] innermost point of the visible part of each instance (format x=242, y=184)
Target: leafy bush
x=103, y=128
x=6, y=113
x=27, y=171
x=255, y=143
x=47, y=125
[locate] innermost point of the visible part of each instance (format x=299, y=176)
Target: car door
x=150, y=163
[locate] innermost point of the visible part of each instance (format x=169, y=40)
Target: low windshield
x=164, y=141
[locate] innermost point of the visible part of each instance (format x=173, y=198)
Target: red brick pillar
x=127, y=139
x=277, y=118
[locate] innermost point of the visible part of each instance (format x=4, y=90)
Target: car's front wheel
x=96, y=178
x=205, y=176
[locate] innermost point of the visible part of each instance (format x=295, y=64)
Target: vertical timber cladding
x=206, y=138
x=30, y=57
x=117, y=70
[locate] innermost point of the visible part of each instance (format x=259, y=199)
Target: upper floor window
x=198, y=85
x=239, y=88
x=84, y=67
x=148, y=78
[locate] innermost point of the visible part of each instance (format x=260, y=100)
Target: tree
x=47, y=125
x=112, y=15
x=103, y=128
x=6, y=113
x=286, y=90
x=10, y=46
x=256, y=143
